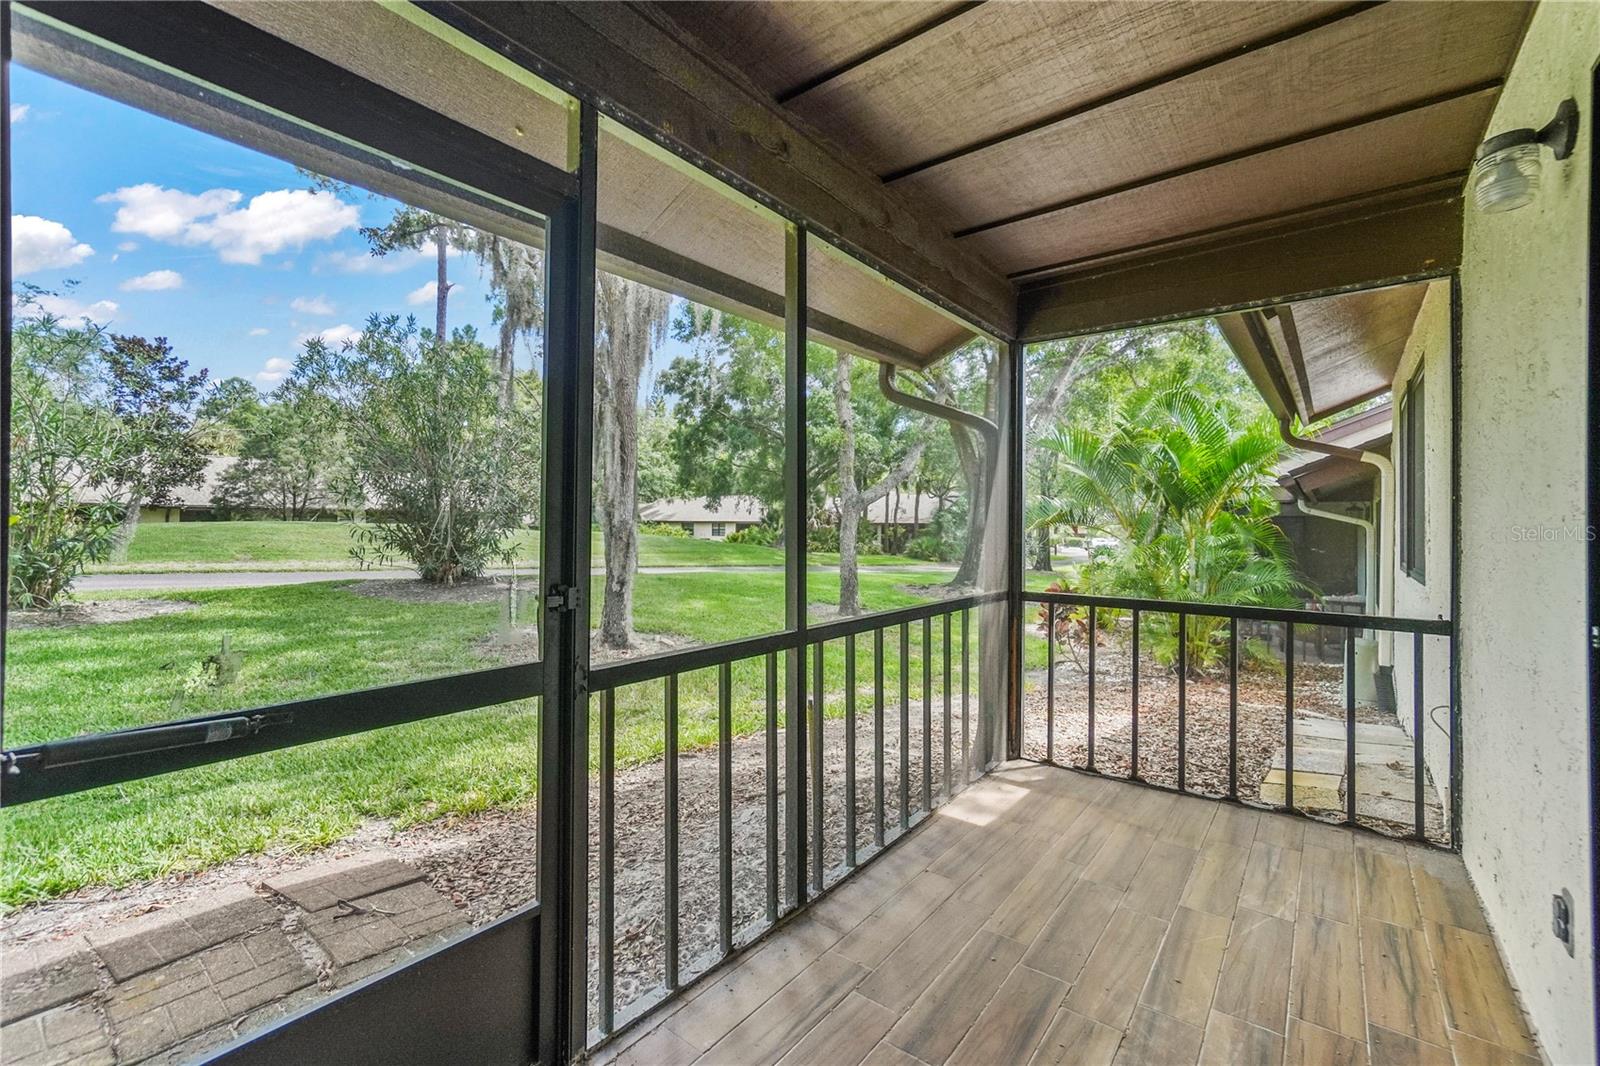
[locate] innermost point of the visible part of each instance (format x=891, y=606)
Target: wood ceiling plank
x=1006, y=65
x=1383, y=58
x=648, y=72
x=783, y=46
x=1408, y=147
x=1352, y=343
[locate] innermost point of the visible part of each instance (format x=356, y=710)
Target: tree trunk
x=632, y=317
x=441, y=298
x=129, y=525
x=849, y=512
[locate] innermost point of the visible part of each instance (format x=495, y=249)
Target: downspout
x=1369, y=541
x=977, y=423
x=1385, y=575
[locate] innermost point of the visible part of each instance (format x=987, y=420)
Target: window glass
x=892, y=519
x=689, y=408
x=276, y=433
x=244, y=467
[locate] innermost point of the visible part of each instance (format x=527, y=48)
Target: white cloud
x=333, y=336
x=155, y=281
x=73, y=311
x=128, y=246
x=20, y=112
x=260, y=331
x=273, y=371
x=41, y=244
x=357, y=263
x=312, y=305
x=269, y=223
x=165, y=214
x=423, y=294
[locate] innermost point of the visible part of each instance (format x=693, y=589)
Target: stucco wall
x=1428, y=349
x=1523, y=615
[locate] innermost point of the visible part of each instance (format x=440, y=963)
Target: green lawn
x=201, y=546
x=305, y=640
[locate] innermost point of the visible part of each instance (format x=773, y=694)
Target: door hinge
x=563, y=598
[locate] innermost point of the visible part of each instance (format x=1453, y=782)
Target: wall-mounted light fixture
x=1505, y=175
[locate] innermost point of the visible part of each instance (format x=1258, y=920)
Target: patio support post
x=564, y=565
x=794, y=570
x=1000, y=625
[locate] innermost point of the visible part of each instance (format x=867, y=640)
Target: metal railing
x=1088, y=613
x=800, y=852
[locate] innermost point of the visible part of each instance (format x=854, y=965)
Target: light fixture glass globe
x=1507, y=179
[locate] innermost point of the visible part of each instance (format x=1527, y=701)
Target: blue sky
x=171, y=232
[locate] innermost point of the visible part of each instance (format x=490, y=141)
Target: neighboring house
x=1323, y=357
x=699, y=518
x=186, y=503
x=909, y=512
x=1325, y=503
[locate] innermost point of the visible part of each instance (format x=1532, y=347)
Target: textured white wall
x=1428, y=348
x=1523, y=613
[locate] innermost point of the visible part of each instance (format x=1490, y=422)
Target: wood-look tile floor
x=1050, y=917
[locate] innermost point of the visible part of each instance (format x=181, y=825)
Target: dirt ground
x=94, y=612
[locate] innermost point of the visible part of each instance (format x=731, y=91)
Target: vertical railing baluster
x=772, y=785
x=670, y=889
x=1183, y=700
x=947, y=789
x=725, y=803
x=1133, y=763
x=1350, y=726
x=1288, y=715
x=905, y=726
x=877, y=738
x=1419, y=722
x=927, y=714
x=850, y=751
x=1050, y=683
x=1233, y=708
x=1094, y=639
x=966, y=716
x=818, y=860
x=607, y=874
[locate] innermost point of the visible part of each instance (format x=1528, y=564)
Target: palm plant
x=1183, y=484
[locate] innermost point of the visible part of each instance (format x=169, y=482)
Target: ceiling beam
x=883, y=49
x=1077, y=110
x=1374, y=245
x=1240, y=232
x=1491, y=86
x=641, y=69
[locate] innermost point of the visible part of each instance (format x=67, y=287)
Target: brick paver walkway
x=169, y=985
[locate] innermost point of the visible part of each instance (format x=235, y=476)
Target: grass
x=305, y=640
x=179, y=547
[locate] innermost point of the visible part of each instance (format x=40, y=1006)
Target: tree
x=1184, y=484
x=853, y=499
x=728, y=413
x=631, y=319
x=291, y=457
x=66, y=493
x=412, y=227
x=452, y=477
x=151, y=392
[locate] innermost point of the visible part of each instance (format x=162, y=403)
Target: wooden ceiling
x=1050, y=138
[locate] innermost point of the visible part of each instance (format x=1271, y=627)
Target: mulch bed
x=93, y=612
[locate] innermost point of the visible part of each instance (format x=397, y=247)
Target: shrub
x=454, y=473
x=663, y=529
x=763, y=535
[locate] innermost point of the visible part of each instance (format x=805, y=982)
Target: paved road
x=241, y=579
